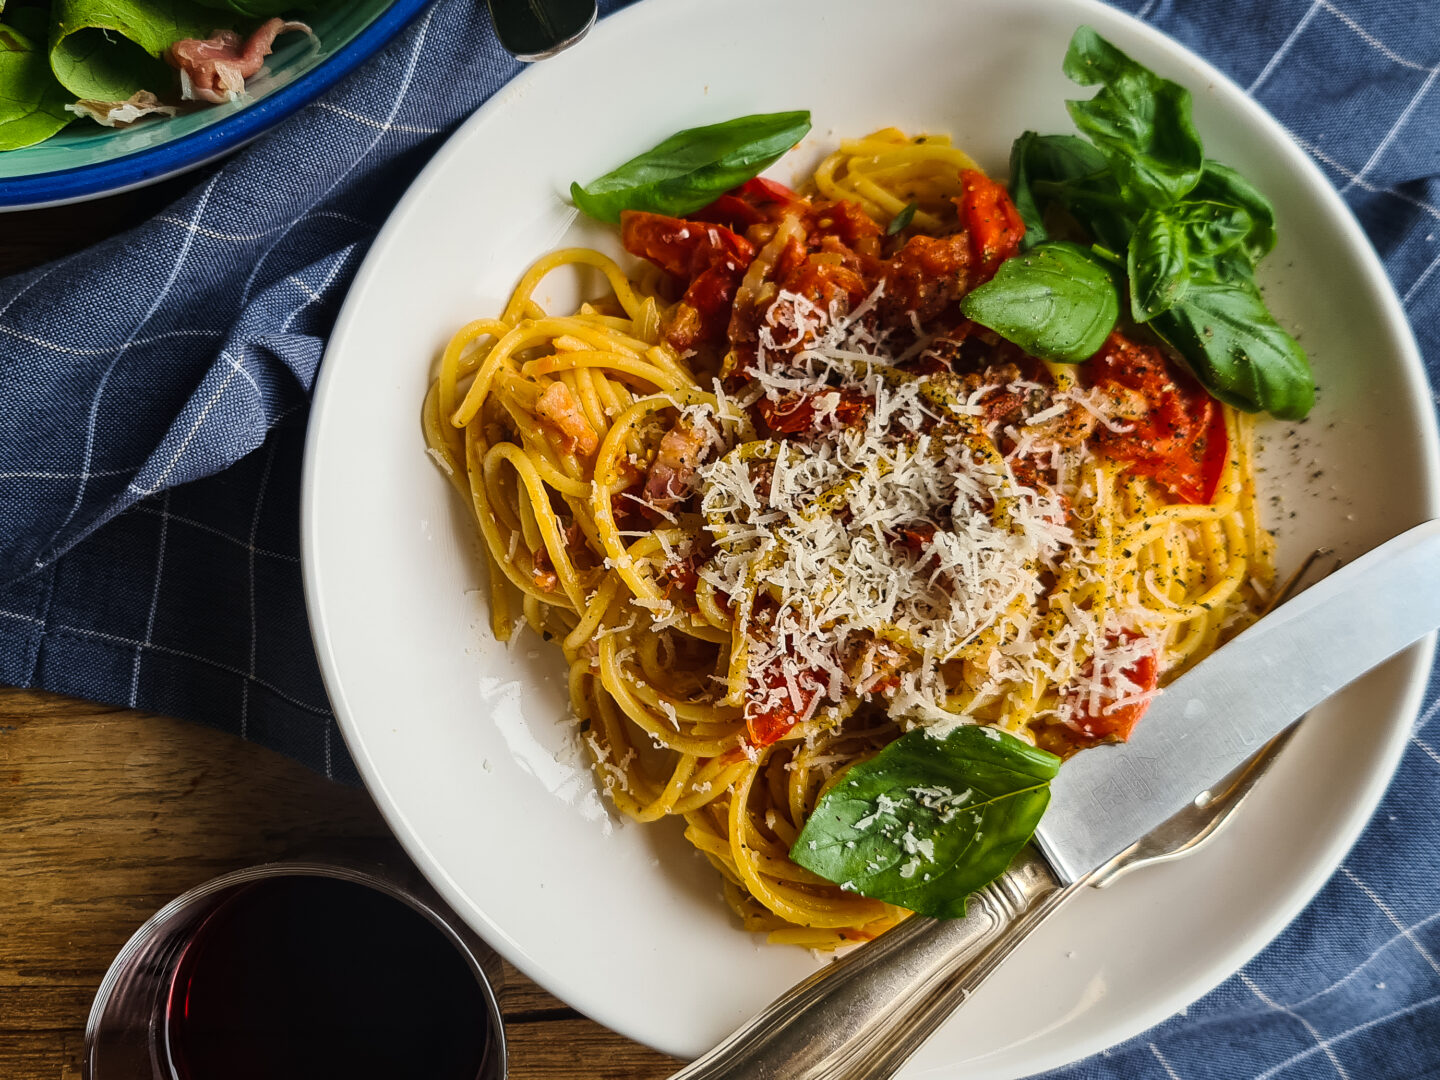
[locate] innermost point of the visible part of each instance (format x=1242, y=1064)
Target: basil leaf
x=1056, y=301
x=1222, y=184
x=692, y=167
x=1236, y=348
x=1140, y=121
x=32, y=103
x=1158, y=264
x=1215, y=228
x=902, y=219
x=1046, y=159
x=926, y=822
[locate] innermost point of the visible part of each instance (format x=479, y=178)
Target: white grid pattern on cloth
x=1304, y=1022
x=250, y=573
x=154, y=599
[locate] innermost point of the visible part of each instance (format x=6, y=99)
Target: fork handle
x=864, y=1015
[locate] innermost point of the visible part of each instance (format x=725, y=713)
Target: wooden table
x=107, y=813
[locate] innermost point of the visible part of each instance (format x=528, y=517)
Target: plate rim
x=152, y=164
x=1418, y=659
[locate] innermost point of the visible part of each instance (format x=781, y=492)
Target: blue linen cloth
x=153, y=396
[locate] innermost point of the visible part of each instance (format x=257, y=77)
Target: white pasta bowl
x=464, y=743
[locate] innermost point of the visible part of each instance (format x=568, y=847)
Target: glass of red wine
x=298, y=970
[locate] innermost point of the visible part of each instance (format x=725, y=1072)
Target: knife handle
x=864, y=1015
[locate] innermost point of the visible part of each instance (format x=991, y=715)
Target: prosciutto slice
x=215, y=69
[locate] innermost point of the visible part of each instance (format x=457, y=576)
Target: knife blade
x=1212, y=718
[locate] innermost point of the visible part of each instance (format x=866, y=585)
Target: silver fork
x=862, y=1017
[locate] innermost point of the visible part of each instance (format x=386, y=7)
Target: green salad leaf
x=32, y=103
x=692, y=167
x=108, y=50
x=1140, y=122
x=1056, y=301
x=927, y=821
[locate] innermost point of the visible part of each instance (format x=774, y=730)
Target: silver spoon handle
x=864, y=1015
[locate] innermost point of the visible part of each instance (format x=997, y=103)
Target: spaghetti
x=778, y=502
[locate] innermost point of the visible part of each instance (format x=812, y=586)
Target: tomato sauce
x=1181, y=443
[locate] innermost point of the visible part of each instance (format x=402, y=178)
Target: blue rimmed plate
x=86, y=161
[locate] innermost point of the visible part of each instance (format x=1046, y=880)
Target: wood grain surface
x=107, y=813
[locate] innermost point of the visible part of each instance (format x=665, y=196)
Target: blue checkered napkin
x=153, y=395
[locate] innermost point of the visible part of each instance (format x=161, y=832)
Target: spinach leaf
x=32, y=103
x=107, y=50
x=1140, y=121
x=927, y=821
x=692, y=167
x=902, y=219
x=1056, y=301
x=1222, y=184
x=1158, y=263
x=1237, y=349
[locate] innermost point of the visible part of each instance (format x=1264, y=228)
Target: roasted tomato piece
x=769, y=717
x=795, y=414
x=847, y=222
x=916, y=536
x=924, y=277
x=825, y=284
x=749, y=204
x=709, y=258
x=995, y=226
x=1110, y=724
x=1181, y=443
x=1116, y=722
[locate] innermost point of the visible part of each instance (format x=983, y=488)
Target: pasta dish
x=779, y=501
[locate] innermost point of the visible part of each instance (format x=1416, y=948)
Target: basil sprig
x=927, y=821
x=1056, y=301
x=1191, y=229
x=1140, y=122
x=692, y=168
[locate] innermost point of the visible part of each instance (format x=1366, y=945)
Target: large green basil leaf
x=1213, y=229
x=692, y=167
x=927, y=821
x=1056, y=301
x=1222, y=184
x=1140, y=121
x=108, y=50
x=1237, y=349
x=1047, y=159
x=32, y=103
x=1158, y=264
x=1169, y=246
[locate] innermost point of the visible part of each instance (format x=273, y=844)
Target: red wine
x=309, y=978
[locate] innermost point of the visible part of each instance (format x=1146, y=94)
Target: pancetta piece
x=215, y=69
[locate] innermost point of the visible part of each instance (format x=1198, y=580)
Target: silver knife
x=865, y=1014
